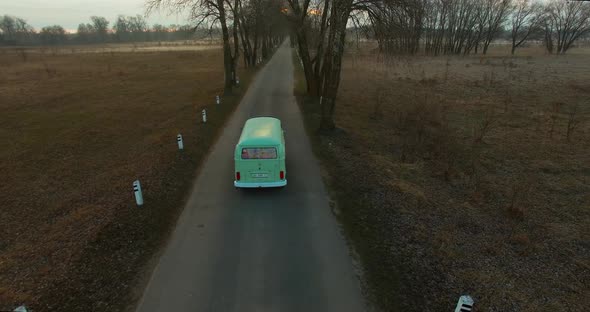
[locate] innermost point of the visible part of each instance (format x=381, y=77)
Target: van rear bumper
x=260, y=184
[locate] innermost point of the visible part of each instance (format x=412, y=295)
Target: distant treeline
x=16, y=31
x=470, y=26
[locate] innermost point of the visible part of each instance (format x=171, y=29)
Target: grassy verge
x=457, y=175
x=380, y=271
x=78, y=129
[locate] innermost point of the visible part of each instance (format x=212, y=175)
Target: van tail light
x=282, y=175
x=237, y=176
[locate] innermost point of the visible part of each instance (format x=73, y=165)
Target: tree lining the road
x=261, y=26
x=253, y=27
x=432, y=27
x=320, y=28
x=256, y=24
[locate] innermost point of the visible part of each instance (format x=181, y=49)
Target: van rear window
x=259, y=153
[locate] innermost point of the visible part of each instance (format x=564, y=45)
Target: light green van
x=260, y=154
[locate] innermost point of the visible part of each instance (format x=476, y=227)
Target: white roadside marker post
x=137, y=192
x=238, y=81
x=204, y=116
x=217, y=100
x=180, y=143
x=465, y=304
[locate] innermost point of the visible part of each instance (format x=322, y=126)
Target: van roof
x=261, y=131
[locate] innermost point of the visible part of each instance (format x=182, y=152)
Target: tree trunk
x=318, y=69
x=333, y=61
x=310, y=78
x=245, y=45
x=227, y=57
x=255, y=49
x=327, y=118
x=236, y=55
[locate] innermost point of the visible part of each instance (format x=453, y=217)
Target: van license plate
x=260, y=175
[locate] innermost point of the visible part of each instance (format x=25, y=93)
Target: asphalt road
x=257, y=250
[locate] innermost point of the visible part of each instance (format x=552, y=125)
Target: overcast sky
x=70, y=13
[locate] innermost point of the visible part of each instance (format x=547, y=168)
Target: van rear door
x=259, y=164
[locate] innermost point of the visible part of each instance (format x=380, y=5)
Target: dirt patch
x=458, y=176
x=76, y=131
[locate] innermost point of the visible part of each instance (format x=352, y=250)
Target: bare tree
x=101, y=27
x=121, y=28
x=15, y=30
x=398, y=25
x=261, y=27
x=130, y=28
x=565, y=22
x=85, y=33
x=548, y=30
x=53, y=35
x=498, y=13
x=332, y=63
x=254, y=22
x=298, y=16
x=441, y=26
x=8, y=26
x=208, y=12
x=320, y=32
x=524, y=21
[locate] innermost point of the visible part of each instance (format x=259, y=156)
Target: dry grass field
x=76, y=130
x=152, y=46
x=464, y=175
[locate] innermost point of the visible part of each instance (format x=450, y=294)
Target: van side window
x=259, y=153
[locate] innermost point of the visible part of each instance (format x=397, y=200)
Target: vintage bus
x=260, y=154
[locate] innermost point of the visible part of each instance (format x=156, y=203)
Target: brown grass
x=76, y=131
x=507, y=215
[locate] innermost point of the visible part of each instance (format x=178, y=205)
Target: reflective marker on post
x=180, y=143
x=465, y=304
x=137, y=192
x=204, y=116
x=217, y=100
x=237, y=81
